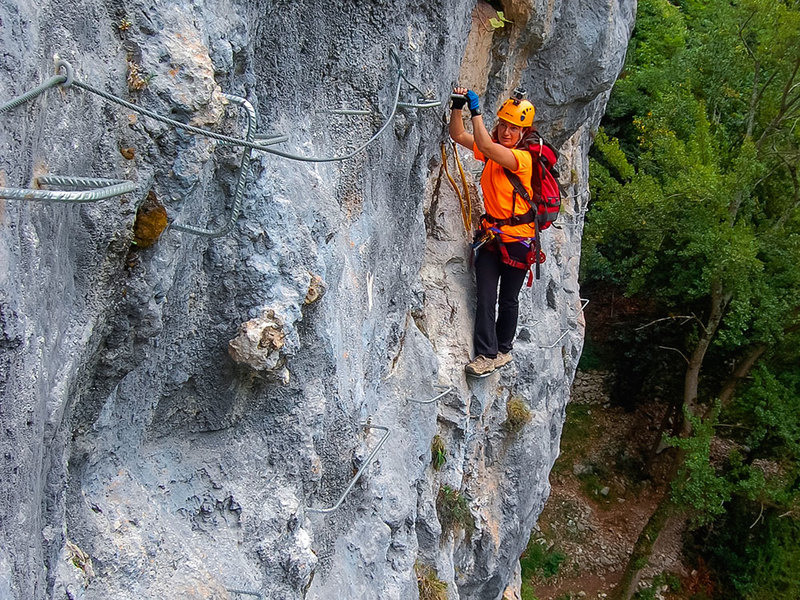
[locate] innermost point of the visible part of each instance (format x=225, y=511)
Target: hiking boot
x=503, y=358
x=481, y=366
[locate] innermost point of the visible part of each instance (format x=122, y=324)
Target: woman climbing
x=505, y=237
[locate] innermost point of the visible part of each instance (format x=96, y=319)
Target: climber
x=504, y=249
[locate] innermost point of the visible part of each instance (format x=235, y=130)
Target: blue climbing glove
x=474, y=103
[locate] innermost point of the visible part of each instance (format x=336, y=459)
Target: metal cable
x=68, y=80
x=102, y=189
x=241, y=180
x=402, y=74
x=30, y=95
x=177, y=124
x=236, y=141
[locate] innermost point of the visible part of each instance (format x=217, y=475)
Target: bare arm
x=457, y=131
x=497, y=152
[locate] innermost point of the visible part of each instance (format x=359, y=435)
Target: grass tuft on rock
x=517, y=415
x=438, y=452
x=452, y=508
x=429, y=585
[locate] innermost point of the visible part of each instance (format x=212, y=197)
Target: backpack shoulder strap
x=518, y=186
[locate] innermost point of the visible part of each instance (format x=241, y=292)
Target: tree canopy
x=696, y=207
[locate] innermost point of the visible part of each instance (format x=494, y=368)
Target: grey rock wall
x=139, y=458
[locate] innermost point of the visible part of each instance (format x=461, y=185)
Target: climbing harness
x=491, y=239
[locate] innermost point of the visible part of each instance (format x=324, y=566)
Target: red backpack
x=544, y=183
x=546, y=201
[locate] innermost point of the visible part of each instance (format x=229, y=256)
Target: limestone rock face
x=138, y=458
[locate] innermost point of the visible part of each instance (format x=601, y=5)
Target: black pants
x=495, y=334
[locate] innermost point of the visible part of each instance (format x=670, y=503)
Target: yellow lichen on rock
x=316, y=289
x=151, y=220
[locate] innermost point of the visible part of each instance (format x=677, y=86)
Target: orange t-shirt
x=498, y=191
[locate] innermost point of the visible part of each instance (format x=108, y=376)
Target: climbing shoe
x=481, y=366
x=503, y=358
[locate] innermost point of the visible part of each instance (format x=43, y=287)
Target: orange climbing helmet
x=516, y=110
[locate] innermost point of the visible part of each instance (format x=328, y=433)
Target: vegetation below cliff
x=609, y=479
x=690, y=258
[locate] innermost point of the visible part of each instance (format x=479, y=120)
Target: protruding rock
x=259, y=343
x=316, y=289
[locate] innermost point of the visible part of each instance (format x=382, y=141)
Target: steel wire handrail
x=100, y=189
x=241, y=179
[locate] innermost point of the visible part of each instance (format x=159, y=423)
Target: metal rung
x=418, y=105
x=241, y=178
x=100, y=189
x=358, y=474
x=584, y=302
x=434, y=399
x=564, y=332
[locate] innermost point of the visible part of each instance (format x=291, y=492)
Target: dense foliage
x=696, y=210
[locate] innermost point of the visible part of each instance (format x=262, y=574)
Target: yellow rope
x=466, y=212
x=468, y=221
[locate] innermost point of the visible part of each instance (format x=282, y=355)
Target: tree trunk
x=673, y=414
x=642, y=549
x=691, y=381
x=649, y=535
x=741, y=371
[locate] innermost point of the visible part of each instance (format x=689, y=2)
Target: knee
x=508, y=303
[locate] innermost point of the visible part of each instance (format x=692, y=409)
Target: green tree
x=696, y=205
x=755, y=545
